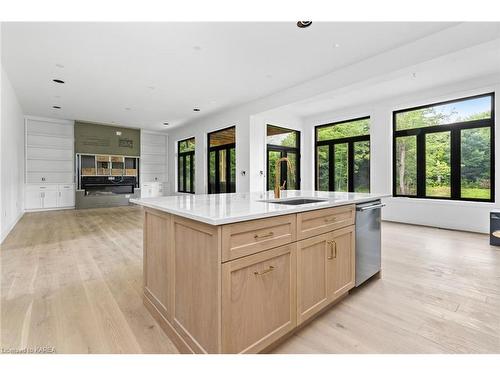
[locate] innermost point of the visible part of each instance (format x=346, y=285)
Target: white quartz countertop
x=217, y=209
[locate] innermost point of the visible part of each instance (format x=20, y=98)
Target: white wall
x=12, y=157
x=470, y=216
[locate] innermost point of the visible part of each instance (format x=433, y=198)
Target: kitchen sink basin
x=295, y=201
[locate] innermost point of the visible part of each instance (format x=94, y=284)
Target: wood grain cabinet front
x=250, y=237
x=258, y=299
x=313, y=223
x=325, y=270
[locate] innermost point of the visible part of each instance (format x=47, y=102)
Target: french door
x=222, y=169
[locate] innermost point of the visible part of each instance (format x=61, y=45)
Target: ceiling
x=460, y=67
x=144, y=74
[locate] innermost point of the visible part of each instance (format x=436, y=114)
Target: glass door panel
x=361, y=173
x=323, y=167
x=340, y=166
x=437, y=165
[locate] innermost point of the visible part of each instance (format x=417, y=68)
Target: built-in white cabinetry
x=49, y=154
x=153, y=167
x=49, y=196
x=152, y=189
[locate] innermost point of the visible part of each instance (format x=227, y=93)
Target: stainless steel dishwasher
x=368, y=240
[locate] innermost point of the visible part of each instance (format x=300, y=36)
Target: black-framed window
x=185, y=166
x=342, y=156
x=446, y=150
x=222, y=161
x=282, y=142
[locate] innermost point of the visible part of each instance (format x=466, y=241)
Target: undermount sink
x=294, y=201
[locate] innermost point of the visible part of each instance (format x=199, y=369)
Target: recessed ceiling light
x=196, y=109
x=165, y=123
x=127, y=108
x=336, y=45
x=56, y=107
x=304, y=24
x=197, y=48
x=58, y=80
x=60, y=66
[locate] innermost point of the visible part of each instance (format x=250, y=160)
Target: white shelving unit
x=153, y=164
x=49, y=176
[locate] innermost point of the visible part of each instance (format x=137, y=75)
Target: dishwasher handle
x=374, y=207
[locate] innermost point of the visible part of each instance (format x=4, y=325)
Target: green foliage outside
x=475, y=156
x=361, y=156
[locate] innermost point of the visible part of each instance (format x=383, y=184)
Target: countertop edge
x=291, y=210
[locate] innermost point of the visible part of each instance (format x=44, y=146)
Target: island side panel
x=157, y=260
x=197, y=284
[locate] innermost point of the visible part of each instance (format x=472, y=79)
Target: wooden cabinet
x=341, y=262
x=325, y=270
x=157, y=261
x=250, y=237
x=238, y=288
x=258, y=299
x=313, y=223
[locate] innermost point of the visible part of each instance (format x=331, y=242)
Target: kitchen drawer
x=48, y=177
x=249, y=237
x=40, y=187
x=313, y=223
x=258, y=299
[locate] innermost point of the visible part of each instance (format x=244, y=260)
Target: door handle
x=257, y=236
x=374, y=207
x=333, y=249
x=270, y=269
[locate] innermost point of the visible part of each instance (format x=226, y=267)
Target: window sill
x=443, y=202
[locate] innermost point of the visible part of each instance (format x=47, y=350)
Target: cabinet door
x=258, y=299
x=341, y=262
x=33, y=199
x=66, y=198
x=312, y=275
x=325, y=270
x=49, y=198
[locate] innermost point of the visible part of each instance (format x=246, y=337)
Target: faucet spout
x=277, y=176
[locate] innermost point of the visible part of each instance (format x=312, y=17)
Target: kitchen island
x=236, y=273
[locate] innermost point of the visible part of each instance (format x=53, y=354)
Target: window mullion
x=421, y=173
x=350, y=166
x=331, y=168
x=455, y=161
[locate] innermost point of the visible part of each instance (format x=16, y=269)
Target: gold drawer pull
x=333, y=249
x=270, y=269
x=330, y=219
x=257, y=236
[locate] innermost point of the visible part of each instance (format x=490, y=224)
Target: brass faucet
x=277, y=175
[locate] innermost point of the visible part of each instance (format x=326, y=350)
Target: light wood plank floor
x=72, y=280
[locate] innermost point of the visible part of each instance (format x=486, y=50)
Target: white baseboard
x=50, y=209
x=4, y=235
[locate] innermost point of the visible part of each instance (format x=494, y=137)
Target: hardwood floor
x=72, y=280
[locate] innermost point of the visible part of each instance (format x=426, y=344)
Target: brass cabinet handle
x=270, y=269
x=333, y=249
x=257, y=236
x=330, y=219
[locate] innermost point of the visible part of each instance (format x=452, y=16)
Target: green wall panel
x=102, y=139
